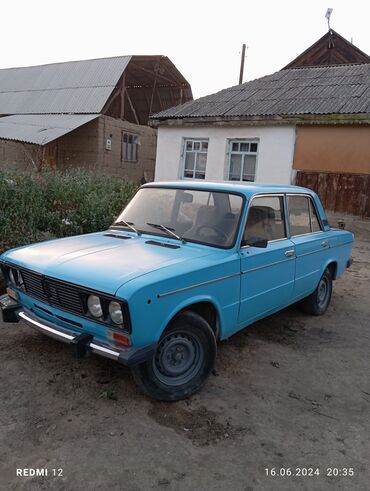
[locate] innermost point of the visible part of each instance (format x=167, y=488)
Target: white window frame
x=184, y=152
x=134, y=146
x=230, y=152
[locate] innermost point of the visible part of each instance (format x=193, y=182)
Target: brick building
x=90, y=113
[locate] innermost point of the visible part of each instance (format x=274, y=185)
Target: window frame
x=305, y=195
x=210, y=190
x=229, y=153
x=284, y=215
x=124, y=145
x=201, y=140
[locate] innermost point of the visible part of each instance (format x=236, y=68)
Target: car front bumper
x=81, y=343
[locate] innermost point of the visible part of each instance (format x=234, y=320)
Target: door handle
x=325, y=243
x=289, y=253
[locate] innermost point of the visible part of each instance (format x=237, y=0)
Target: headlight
x=94, y=306
x=115, y=312
x=15, y=277
x=12, y=276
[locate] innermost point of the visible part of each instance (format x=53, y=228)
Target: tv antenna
x=327, y=16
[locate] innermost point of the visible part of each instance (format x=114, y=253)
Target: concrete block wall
x=111, y=161
x=15, y=155
x=86, y=147
x=80, y=148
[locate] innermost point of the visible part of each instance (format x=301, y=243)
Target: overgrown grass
x=57, y=204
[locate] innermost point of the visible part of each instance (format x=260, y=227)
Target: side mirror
x=255, y=242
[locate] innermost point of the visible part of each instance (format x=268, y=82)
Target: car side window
x=265, y=219
x=302, y=215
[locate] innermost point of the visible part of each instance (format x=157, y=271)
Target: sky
x=203, y=38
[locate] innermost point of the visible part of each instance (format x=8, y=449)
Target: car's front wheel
x=318, y=302
x=182, y=362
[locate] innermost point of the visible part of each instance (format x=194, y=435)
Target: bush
x=57, y=204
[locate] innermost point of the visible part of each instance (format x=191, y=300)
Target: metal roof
x=70, y=87
x=41, y=128
x=343, y=89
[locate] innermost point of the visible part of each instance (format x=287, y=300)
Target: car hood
x=99, y=261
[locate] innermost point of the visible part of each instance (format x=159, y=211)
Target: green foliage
x=49, y=204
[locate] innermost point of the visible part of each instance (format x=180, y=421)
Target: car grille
x=55, y=293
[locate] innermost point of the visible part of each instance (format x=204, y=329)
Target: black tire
x=184, y=358
x=318, y=302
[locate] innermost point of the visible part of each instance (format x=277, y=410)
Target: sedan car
x=185, y=264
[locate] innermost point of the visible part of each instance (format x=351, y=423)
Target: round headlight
x=12, y=273
x=19, y=279
x=94, y=306
x=115, y=312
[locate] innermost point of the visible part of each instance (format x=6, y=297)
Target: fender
x=188, y=303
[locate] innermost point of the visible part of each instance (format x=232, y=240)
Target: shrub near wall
x=37, y=206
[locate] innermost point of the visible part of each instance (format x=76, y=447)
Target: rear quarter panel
x=340, y=248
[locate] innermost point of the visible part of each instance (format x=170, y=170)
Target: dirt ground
x=291, y=391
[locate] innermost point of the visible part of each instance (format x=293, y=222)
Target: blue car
x=184, y=265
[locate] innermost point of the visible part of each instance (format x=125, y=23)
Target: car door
x=310, y=242
x=267, y=273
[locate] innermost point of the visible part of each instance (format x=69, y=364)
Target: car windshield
x=207, y=217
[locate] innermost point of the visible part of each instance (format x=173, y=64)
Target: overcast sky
x=203, y=38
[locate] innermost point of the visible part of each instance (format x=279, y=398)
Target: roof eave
x=284, y=119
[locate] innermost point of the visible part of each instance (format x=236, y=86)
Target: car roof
x=247, y=188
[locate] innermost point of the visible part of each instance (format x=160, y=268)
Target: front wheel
x=318, y=302
x=182, y=362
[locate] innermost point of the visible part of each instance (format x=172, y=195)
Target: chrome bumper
x=81, y=343
x=62, y=335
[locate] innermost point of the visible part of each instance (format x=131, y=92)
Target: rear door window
x=302, y=215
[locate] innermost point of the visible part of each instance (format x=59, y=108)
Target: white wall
x=274, y=158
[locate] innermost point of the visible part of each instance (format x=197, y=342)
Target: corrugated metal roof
x=41, y=128
x=70, y=87
x=337, y=89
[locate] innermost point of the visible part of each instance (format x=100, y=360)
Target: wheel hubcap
x=178, y=358
x=322, y=292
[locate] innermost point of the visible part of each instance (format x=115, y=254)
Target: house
x=90, y=113
x=308, y=123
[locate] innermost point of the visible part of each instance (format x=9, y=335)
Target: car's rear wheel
x=182, y=362
x=318, y=302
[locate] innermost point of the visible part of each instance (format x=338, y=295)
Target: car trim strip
x=161, y=295
x=268, y=265
x=311, y=252
x=324, y=248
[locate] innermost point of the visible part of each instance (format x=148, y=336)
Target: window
x=303, y=218
x=206, y=217
x=195, y=158
x=130, y=143
x=242, y=160
x=265, y=219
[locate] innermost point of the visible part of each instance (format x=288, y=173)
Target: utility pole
x=242, y=65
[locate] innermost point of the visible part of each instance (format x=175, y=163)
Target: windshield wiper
x=128, y=225
x=168, y=230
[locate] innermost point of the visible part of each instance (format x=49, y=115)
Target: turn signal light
x=120, y=338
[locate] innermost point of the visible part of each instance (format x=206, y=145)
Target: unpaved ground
x=291, y=391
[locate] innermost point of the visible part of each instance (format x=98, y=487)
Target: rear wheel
x=318, y=302
x=182, y=362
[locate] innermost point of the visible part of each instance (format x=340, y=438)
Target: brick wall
x=80, y=148
x=86, y=147
x=16, y=155
x=111, y=160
